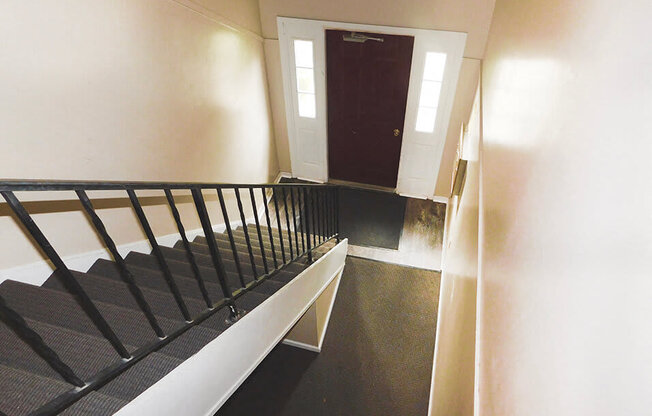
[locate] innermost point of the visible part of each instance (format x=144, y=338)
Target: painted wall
x=565, y=289
x=452, y=386
x=470, y=16
x=138, y=90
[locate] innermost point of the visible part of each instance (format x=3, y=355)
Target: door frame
x=421, y=153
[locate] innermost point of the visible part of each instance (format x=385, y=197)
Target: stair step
x=243, y=257
x=153, y=279
x=23, y=392
x=59, y=308
x=116, y=292
x=202, y=249
x=183, y=268
x=84, y=354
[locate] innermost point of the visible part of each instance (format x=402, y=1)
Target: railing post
x=269, y=227
x=65, y=275
x=337, y=212
x=278, y=223
x=246, y=232
x=325, y=213
x=200, y=205
x=302, y=220
x=186, y=244
x=294, y=222
x=165, y=269
x=260, y=234
x=307, y=224
x=227, y=224
x=287, y=221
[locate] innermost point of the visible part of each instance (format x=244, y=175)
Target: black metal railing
x=294, y=219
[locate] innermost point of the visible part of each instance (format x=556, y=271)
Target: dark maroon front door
x=367, y=85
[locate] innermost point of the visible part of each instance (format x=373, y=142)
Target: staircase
x=89, y=343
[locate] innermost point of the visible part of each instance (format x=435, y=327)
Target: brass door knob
x=397, y=132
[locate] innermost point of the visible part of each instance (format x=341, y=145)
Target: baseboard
x=38, y=272
x=301, y=345
x=281, y=175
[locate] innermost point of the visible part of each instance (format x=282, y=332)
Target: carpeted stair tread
x=178, y=257
x=153, y=279
x=183, y=268
x=23, y=392
x=226, y=253
x=60, y=309
x=16, y=353
x=116, y=292
x=84, y=354
x=95, y=404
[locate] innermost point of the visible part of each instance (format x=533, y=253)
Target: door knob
x=397, y=132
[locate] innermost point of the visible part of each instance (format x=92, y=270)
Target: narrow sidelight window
x=433, y=75
x=303, y=62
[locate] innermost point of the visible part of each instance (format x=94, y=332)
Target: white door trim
x=420, y=152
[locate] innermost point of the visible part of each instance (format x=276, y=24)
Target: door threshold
x=362, y=185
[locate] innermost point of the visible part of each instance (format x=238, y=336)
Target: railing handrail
x=66, y=185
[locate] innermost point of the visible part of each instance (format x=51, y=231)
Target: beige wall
x=470, y=16
x=565, y=289
x=452, y=387
x=137, y=90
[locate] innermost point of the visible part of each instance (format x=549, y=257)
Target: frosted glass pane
x=303, y=53
x=426, y=119
x=305, y=80
x=435, y=63
x=429, y=94
x=307, y=105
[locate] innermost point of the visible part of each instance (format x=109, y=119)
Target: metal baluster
x=260, y=234
x=287, y=221
x=18, y=325
x=320, y=208
x=332, y=212
x=337, y=212
x=307, y=224
x=214, y=252
x=269, y=227
x=65, y=275
x=313, y=222
x=324, y=193
x=125, y=274
x=225, y=215
x=329, y=217
x=186, y=244
x=294, y=222
x=278, y=223
x=320, y=216
x=302, y=226
x=246, y=232
x=167, y=275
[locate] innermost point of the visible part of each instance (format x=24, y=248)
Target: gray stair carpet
x=27, y=382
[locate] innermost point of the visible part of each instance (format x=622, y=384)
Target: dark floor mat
x=371, y=218
x=376, y=358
